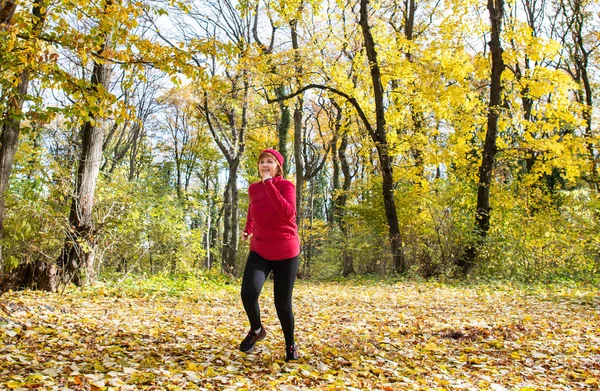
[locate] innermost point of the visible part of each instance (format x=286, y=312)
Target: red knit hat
x=274, y=153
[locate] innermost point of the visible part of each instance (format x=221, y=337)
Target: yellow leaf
x=211, y=372
x=591, y=380
x=432, y=347
x=34, y=376
x=12, y=384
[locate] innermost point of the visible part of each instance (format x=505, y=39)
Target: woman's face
x=267, y=165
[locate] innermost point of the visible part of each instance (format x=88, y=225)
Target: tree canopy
x=425, y=138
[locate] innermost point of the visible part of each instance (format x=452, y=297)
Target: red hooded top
x=272, y=219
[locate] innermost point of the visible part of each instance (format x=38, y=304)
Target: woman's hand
x=245, y=235
x=266, y=176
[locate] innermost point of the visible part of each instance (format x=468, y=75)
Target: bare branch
x=349, y=98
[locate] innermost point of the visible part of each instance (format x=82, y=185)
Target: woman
x=274, y=247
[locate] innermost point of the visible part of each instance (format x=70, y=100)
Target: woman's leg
x=284, y=276
x=256, y=272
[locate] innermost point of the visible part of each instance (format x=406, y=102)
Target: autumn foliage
x=182, y=334
x=418, y=147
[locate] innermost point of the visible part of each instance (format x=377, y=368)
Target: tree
x=340, y=162
x=233, y=149
x=410, y=137
x=283, y=124
x=298, y=113
x=183, y=137
x=579, y=36
x=314, y=151
x=482, y=213
x=380, y=139
x=223, y=103
x=124, y=139
x=78, y=254
x=378, y=134
x=525, y=66
x=16, y=94
x=7, y=10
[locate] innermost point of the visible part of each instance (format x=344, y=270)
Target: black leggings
x=284, y=274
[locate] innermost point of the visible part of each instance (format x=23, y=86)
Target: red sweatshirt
x=272, y=219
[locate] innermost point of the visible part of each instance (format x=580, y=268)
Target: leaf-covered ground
x=375, y=336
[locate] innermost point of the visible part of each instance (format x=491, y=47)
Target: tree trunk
x=7, y=10
x=338, y=208
x=332, y=217
x=212, y=218
x=587, y=117
x=299, y=161
x=133, y=152
x=233, y=151
x=231, y=195
x=308, y=247
x=78, y=255
x=482, y=213
x=298, y=129
x=527, y=100
x=347, y=260
x=9, y=138
x=415, y=112
x=231, y=220
x=382, y=145
x=9, y=141
x=207, y=239
x=283, y=128
x=582, y=56
x=40, y=275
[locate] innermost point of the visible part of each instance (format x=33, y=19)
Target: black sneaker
x=291, y=354
x=251, y=339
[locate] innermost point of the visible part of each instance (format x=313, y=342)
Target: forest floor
x=351, y=336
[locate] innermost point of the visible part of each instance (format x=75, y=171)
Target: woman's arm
x=283, y=199
x=250, y=220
